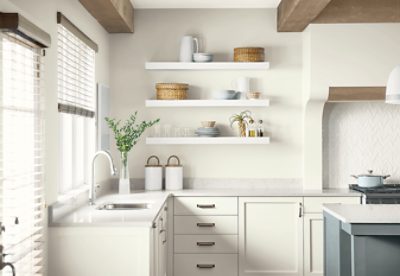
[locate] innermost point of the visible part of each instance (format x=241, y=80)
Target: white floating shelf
x=207, y=103
x=207, y=65
x=207, y=140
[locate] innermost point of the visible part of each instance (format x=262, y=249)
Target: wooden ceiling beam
x=116, y=16
x=295, y=15
x=360, y=11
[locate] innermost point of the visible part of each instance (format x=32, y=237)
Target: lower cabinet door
x=313, y=245
x=205, y=265
x=270, y=236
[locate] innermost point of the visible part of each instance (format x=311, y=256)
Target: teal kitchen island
x=362, y=240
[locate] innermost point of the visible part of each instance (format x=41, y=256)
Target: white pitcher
x=187, y=48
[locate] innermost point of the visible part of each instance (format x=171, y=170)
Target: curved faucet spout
x=92, y=192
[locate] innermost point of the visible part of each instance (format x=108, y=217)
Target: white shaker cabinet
x=160, y=244
x=313, y=245
x=270, y=236
x=314, y=231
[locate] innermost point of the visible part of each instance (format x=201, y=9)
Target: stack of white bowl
x=208, y=129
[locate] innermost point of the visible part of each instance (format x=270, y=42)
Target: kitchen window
x=21, y=154
x=76, y=106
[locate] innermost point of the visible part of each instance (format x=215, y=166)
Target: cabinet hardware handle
x=205, y=265
x=164, y=241
x=205, y=243
x=206, y=206
x=162, y=231
x=203, y=224
x=300, y=209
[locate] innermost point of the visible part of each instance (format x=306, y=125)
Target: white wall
x=43, y=14
x=341, y=55
x=157, y=36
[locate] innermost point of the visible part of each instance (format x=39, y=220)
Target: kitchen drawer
x=205, y=206
x=205, y=225
x=205, y=264
x=314, y=204
x=205, y=243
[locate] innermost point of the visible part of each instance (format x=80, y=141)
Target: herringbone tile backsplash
x=358, y=137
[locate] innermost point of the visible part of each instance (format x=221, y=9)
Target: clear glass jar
x=252, y=129
x=260, y=129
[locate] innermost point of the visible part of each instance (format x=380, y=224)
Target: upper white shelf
x=207, y=65
x=207, y=103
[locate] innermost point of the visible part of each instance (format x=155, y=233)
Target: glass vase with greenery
x=126, y=137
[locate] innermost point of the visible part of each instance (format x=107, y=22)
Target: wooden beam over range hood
x=360, y=11
x=356, y=94
x=116, y=16
x=295, y=15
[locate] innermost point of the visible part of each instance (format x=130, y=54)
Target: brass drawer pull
x=205, y=243
x=206, y=206
x=205, y=265
x=204, y=224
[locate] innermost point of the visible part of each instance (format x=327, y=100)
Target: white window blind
x=21, y=154
x=76, y=105
x=76, y=74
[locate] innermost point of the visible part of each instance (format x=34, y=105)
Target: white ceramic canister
x=153, y=175
x=173, y=175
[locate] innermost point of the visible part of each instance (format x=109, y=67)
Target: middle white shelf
x=207, y=103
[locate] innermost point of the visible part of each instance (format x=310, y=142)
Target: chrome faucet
x=92, y=192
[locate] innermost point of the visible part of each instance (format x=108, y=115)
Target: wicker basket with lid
x=172, y=91
x=249, y=54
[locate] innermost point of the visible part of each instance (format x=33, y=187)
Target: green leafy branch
x=128, y=134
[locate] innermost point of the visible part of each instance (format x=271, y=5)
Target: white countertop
x=268, y=192
x=368, y=213
x=90, y=216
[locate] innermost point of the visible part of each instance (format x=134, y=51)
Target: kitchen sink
x=124, y=206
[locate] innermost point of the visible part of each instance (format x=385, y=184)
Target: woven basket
x=249, y=54
x=172, y=91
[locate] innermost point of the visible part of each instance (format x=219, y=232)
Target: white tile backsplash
x=358, y=137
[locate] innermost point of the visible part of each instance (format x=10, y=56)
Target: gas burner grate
x=385, y=189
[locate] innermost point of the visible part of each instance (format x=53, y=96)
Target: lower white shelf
x=207, y=140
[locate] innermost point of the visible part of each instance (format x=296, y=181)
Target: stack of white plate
x=207, y=132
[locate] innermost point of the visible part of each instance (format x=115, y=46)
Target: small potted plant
x=242, y=120
x=127, y=136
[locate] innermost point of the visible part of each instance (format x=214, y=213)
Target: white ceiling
x=204, y=4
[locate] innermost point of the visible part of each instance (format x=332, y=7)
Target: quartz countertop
x=366, y=214
x=91, y=216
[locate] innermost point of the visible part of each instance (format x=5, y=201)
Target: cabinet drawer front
x=206, y=244
x=314, y=204
x=204, y=206
x=205, y=264
x=205, y=225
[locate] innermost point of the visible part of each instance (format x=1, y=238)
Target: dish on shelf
x=224, y=94
x=253, y=95
x=208, y=124
x=207, y=132
x=202, y=57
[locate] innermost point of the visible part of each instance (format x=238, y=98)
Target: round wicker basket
x=249, y=54
x=172, y=91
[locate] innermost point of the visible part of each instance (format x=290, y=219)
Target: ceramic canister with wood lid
x=153, y=175
x=173, y=174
